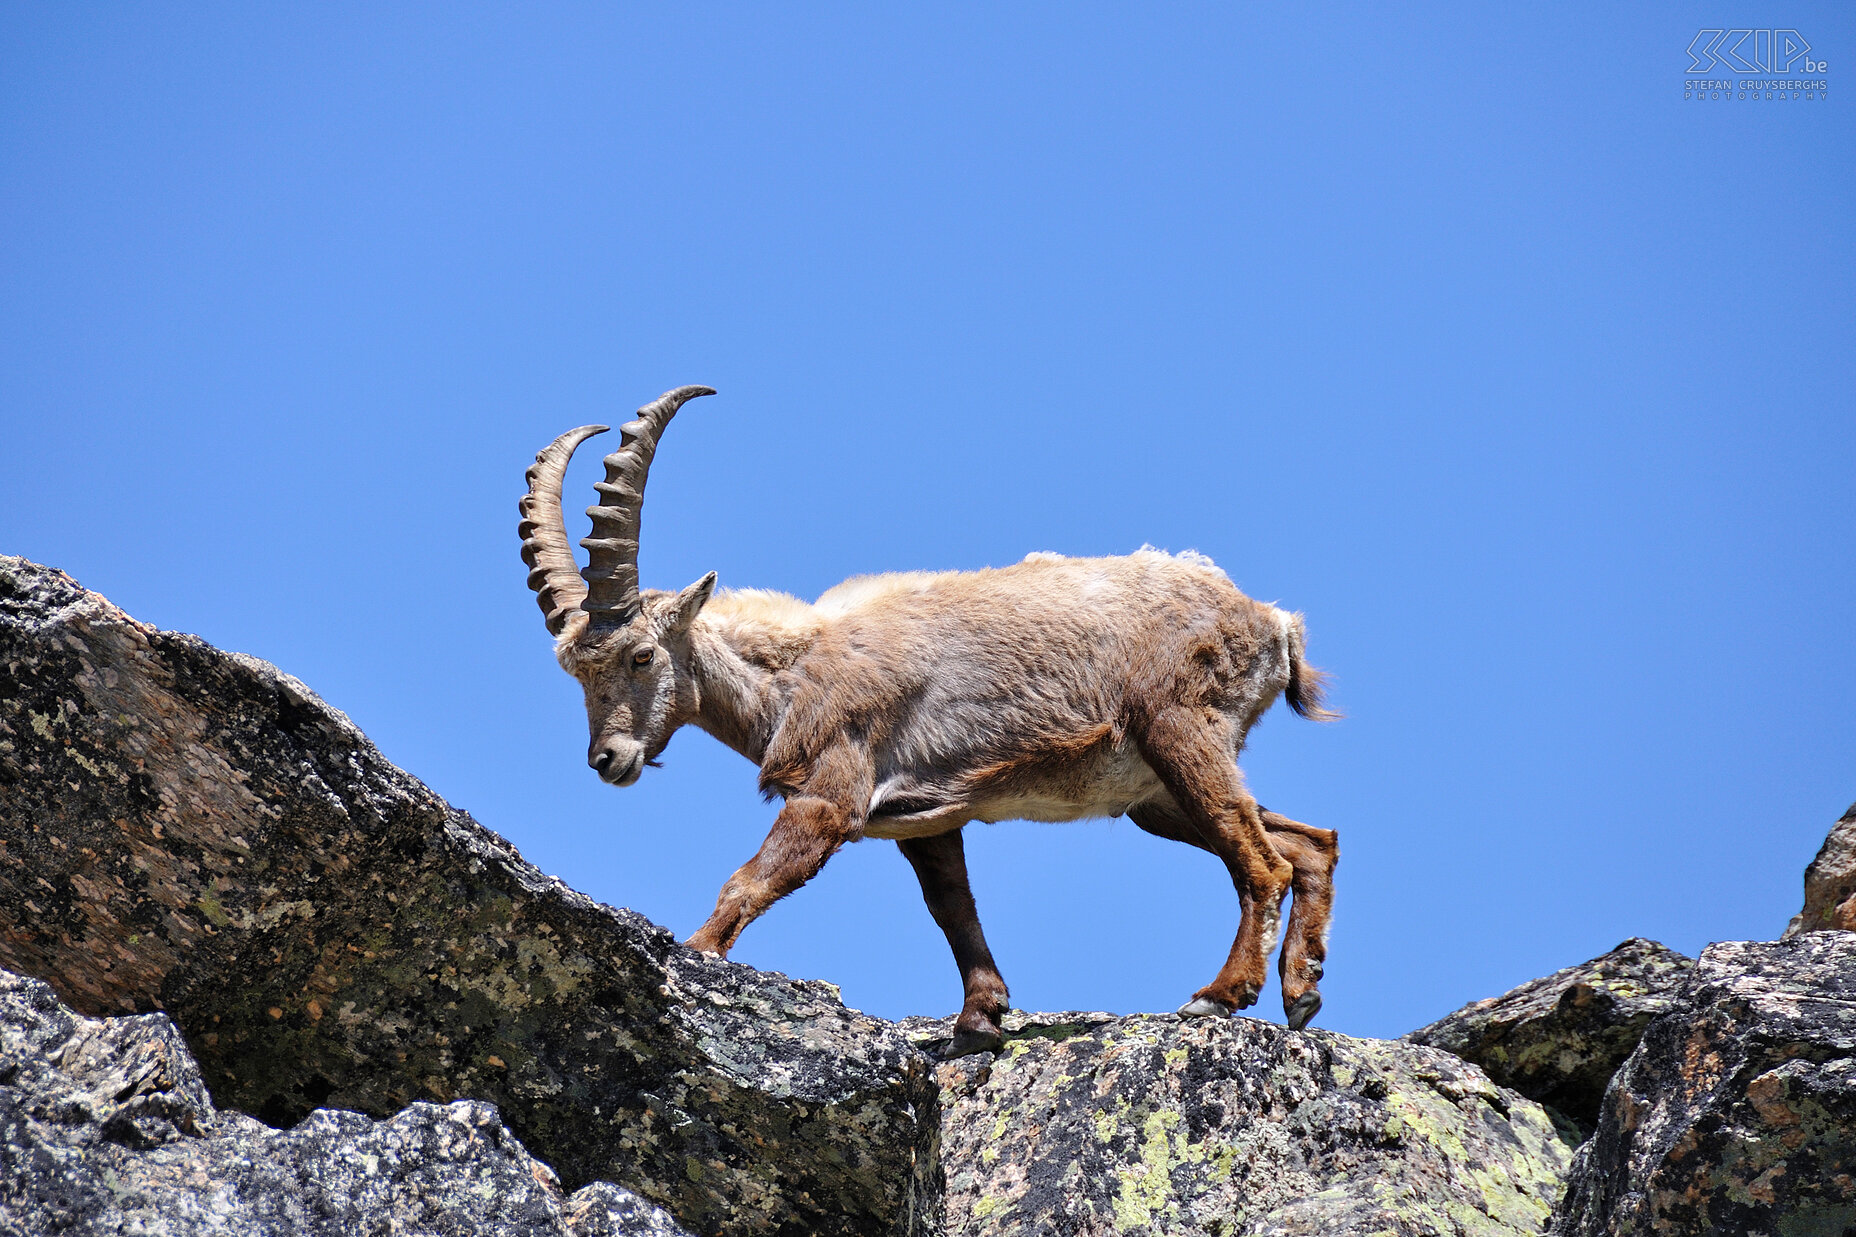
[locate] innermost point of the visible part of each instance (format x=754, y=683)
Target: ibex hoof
x=1204, y=1007
x=1303, y=1010
x=966, y=1043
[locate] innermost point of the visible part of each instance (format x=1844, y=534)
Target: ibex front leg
x=1192, y=752
x=808, y=830
x=940, y=864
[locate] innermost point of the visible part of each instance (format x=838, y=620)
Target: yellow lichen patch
x=94, y=769
x=1147, y=1187
x=209, y=906
x=1221, y=1156
x=1108, y=1122
x=1423, y=1120
x=1504, y=1202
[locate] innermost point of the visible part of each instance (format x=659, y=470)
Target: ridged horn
x=612, y=551
x=553, y=574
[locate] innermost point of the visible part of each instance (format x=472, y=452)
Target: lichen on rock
x=1737, y=1112
x=106, y=1127
x=1830, y=883
x=1089, y=1124
x=1560, y=1038
x=192, y=831
x=254, y=915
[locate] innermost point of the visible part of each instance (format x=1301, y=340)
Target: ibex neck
x=739, y=645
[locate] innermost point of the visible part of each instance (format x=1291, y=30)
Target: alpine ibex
x=905, y=706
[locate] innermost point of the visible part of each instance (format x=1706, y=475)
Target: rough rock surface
x=188, y=830
x=1830, y=883
x=1737, y=1112
x=1559, y=1039
x=106, y=1127
x=1089, y=1124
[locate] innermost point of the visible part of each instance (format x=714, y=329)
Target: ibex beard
x=906, y=706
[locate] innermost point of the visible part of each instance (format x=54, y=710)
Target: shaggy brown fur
x=905, y=706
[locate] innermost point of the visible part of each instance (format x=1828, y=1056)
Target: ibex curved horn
x=612, y=551
x=553, y=574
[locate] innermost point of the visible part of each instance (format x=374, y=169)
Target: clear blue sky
x=1457, y=328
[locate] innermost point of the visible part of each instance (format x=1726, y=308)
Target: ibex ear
x=690, y=603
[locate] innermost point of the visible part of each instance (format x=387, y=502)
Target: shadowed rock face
x=1088, y=1124
x=1830, y=883
x=188, y=830
x=106, y=1127
x=1559, y=1039
x=1737, y=1112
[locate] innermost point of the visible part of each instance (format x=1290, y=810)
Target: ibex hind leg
x=1163, y=818
x=1312, y=853
x=1210, y=808
x=1191, y=752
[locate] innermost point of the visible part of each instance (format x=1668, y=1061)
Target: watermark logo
x=1769, y=65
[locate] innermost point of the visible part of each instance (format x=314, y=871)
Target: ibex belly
x=1106, y=782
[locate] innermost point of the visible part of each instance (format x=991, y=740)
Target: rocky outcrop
x=254, y=915
x=1089, y=1124
x=1737, y=1112
x=1830, y=883
x=192, y=831
x=107, y=1127
x=1559, y=1040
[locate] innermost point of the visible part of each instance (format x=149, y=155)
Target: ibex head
x=629, y=649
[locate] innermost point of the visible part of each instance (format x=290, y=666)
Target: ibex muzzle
x=905, y=706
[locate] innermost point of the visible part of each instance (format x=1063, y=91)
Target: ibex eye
x=642, y=657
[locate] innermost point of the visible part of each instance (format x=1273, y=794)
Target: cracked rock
x=1088, y=1124
x=1737, y=1112
x=1559, y=1039
x=1830, y=883
x=193, y=831
x=106, y=1127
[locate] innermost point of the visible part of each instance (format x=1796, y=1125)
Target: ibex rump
x=904, y=706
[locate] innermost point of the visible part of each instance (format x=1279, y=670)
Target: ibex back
x=905, y=706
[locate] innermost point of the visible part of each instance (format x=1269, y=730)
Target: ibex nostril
x=600, y=760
